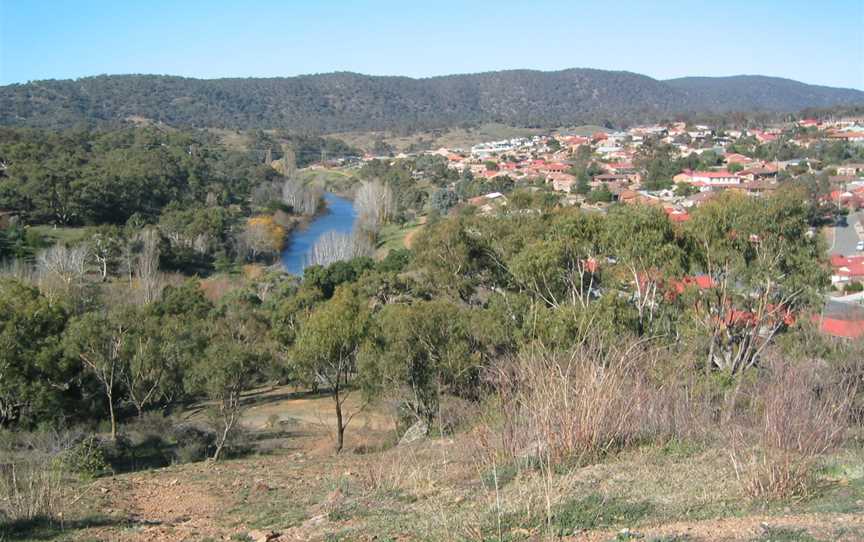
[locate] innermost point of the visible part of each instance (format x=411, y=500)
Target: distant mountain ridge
x=345, y=101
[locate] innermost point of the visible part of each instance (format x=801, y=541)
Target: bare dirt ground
x=295, y=488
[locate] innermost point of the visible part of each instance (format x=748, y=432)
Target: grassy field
x=60, y=234
x=339, y=181
x=232, y=139
x=394, y=236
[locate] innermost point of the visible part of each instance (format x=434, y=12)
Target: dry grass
x=577, y=407
x=31, y=489
x=796, y=416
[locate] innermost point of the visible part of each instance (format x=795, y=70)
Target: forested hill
x=760, y=93
x=348, y=101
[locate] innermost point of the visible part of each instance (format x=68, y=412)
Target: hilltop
x=338, y=102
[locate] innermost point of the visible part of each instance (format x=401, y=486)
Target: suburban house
x=707, y=180
x=562, y=182
x=625, y=168
x=850, y=170
x=758, y=188
x=574, y=142
x=740, y=159
x=847, y=269
x=612, y=178
x=757, y=174
x=851, y=136
x=554, y=167
x=764, y=137
x=845, y=320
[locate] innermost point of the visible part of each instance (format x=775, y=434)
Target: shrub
x=87, y=458
x=193, y=443
x=151, y=425
x=794, y=419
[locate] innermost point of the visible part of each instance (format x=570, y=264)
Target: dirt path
x=409, y=237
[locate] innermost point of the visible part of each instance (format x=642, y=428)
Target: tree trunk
x=220, y=443
x=340, y=428
x=113, y=418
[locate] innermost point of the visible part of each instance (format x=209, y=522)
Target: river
x=339, y=216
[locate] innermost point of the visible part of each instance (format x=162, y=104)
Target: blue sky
x=816, y=41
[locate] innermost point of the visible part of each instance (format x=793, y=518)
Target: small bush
x=193, y=443
x=87, y=458
x=150, y=425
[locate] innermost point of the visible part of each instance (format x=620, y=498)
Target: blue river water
x=339, y=216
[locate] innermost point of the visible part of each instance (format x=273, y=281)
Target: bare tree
x=335, y=247
x=266, y=192
x=61, y=268
x=147, y=266
x=302, y=198
x=128, y=251
x=374, y=204
x=260, y=235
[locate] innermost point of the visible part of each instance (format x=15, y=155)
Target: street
x=846, y=236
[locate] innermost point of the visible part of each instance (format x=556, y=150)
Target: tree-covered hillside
x=348, y=101
x=760, y=93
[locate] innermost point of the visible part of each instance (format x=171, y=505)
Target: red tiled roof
x=676, y=215
x=851, y=329
x=735, y=158
x=848, y=266
x=703, y=282
x=712, y=174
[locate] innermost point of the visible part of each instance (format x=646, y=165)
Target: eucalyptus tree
x=326, y=348
x=765, y=271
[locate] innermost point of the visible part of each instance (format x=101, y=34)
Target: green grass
x=332, y=180
x=64, y=235
x=392, y=236
x=45, y=529
x=785, y=534
x=596, y=511
x=575, y=515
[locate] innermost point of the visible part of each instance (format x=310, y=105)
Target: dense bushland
x=348, y=101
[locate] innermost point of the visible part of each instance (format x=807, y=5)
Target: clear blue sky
x=815, y=41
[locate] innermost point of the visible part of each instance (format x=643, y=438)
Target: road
x=846, y=236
